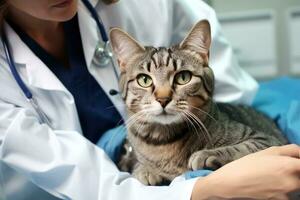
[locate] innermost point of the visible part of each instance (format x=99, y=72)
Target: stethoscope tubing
x=95, y=15
x=28, y=94
x=13, y=68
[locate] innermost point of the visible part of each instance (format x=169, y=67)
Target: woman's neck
x=48, y=34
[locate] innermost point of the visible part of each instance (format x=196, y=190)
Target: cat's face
x=165, y=85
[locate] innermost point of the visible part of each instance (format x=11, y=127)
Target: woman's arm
x=268, y=174
x=67, y=165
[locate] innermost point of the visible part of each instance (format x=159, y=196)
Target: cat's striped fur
x=176, y=127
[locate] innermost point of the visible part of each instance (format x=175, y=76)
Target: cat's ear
x=124, y=46
x=198, y=39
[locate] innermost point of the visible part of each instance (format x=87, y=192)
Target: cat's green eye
x=144, y=80
x=183, y=77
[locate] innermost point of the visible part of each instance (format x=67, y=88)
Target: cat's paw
x=204, y=160
x=128, y=158
x=146, y=177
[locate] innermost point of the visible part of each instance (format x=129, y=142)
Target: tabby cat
x=174, y=125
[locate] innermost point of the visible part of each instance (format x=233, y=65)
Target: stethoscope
x=103, y=54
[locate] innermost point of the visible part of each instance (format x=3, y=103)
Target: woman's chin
x=62, y=14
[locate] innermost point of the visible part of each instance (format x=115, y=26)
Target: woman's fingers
x=291, y=150
x=295, y=166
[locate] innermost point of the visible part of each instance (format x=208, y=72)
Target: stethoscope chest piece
x=103, y=54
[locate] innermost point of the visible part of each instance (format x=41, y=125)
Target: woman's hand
x=268, y=174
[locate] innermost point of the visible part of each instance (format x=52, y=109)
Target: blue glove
x=194, y=174
x=112, y=140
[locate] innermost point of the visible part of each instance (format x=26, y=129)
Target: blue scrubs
x=96, y=112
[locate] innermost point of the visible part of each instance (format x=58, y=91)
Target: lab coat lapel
x=90, y=37
x=94, y=2
x=36, y=73
x=88, y=32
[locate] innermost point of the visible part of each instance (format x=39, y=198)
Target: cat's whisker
x=184, y=119
x=121, y=121
x=143, y=123
x=198, y=122
x=138, y=116
x=183, y=107
x=189, y=120
x=207, y=135
x=199, y=109
x=194, y=122
x=196, y=119
x=189, y=123
x=132, y=118
x=129, y=122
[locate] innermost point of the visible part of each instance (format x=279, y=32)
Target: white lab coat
x=58, y=158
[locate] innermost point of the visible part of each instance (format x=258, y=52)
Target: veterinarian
x=57, y=80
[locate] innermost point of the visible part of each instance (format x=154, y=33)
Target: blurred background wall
x=265, y=34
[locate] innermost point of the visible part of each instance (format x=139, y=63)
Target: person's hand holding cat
x=268, y=174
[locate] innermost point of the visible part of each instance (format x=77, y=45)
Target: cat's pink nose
x=163, y=101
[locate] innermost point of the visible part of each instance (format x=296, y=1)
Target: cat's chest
x=158, y=153
x=168, y=160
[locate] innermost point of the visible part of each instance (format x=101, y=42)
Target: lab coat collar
x=37, y=73
x=88, y=31
x=93, y=2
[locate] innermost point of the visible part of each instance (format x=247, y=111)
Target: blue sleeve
x=280, y=100
x=112, y=140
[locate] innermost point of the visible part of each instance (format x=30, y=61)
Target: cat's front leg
x=216, y=158
x=127, y=159
x=147, y=176
x=205, y=159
